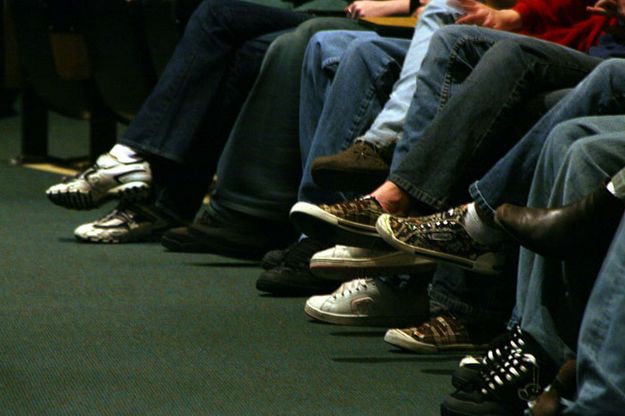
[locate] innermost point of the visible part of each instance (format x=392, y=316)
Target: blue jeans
x=184, y=123
x=578, y=156
x=260, y=168
x=337, y=107
x=342, y=99
x=467, y=103
x=600, y=372
x=601, y=92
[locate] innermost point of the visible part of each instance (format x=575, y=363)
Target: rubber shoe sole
x=488, y=263
x=323, y=226
x=359, y=320
x=393, y=263
x=130, y=192
x=399, y=338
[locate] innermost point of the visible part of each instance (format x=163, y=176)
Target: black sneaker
x=273, y=258
x=361, y=167
x=292, y=277
x=470, y=367
x=504, y=388
x=210, y=235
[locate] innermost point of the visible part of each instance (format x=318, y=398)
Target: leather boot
x=577, y=229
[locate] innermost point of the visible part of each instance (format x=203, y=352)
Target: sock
x=125, y=154
x=478, y=229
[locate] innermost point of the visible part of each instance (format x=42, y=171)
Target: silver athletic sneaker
x=128, y=223
x=107, y=179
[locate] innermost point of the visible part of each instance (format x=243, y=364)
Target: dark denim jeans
x=476, y=96
x=260, y=169
x=184, y=123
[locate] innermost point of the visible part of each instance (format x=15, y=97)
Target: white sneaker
x=126, y=224
x=344, y=263
x=369, y=302
x=108, y=178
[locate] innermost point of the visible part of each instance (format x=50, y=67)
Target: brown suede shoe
x=361, y=167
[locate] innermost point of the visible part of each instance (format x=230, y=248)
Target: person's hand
x=422, y=4
x=609, y=8
x=372, y=8
x=476, y=13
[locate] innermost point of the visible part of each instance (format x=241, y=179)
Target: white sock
x=478, y=229
x=125, y=154
x=612, y=189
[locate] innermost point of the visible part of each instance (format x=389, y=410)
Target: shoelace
x=350, y=287
x=512, y=373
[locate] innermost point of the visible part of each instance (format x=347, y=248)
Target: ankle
x=393, y=199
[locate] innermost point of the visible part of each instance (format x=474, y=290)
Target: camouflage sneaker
x=442, y=333
x=441, y=237
x=351, y=223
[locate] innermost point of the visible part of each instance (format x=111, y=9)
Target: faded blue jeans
x=337, y=107
x=578, y=156
x=468, y=104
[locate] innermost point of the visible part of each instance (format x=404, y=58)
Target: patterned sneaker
x=108, y=178
x=345, y=263
x=128, y=223
x=369, y=302
x=442, y=333
x=351, y=223
x=441, y=237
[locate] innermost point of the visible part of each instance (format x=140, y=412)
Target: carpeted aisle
x=115, y=330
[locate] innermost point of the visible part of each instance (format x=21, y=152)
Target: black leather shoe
x=292, y=277
x=240, y=240
x=583, y=227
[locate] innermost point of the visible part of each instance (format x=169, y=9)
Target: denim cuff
x=479, y=199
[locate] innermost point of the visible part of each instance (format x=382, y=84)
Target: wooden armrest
x=401, y=27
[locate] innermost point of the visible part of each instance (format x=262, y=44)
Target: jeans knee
x=611, y=71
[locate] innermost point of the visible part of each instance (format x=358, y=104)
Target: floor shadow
x=359, y=334
x=219, y=264
x=374, y=360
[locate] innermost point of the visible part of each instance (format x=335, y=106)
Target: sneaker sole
x=400, y=339
x=489, y=263
x=397, y=262
x=320, y=225
x=359, y=320
x=144, y=238
x=131, y=192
